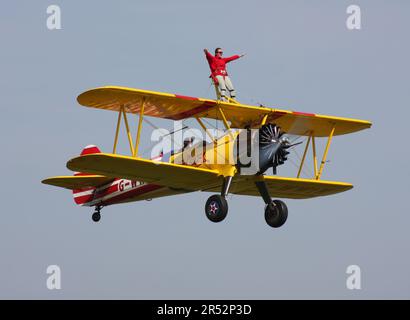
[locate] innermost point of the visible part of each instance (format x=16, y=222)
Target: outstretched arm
x=229, y=59
x=208, y=55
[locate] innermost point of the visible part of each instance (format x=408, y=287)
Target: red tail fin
x=82, y=196
x=90, y=149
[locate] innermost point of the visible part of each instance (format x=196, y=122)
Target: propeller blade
x=292, y=145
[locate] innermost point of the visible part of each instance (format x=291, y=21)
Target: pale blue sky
x=299, y=56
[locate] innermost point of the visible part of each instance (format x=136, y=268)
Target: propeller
x=273, y=145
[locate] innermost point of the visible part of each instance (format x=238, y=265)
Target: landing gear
x=216, y=207
x=276, y=213
x=96, y=215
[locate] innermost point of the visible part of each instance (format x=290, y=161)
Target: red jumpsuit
x=219, y=74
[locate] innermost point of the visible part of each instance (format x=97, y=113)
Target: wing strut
x=314, y=155
x=304, y=157
x=317, y=172
x=205, y=129
x=322, y=164
x=117, y=130
x=123, y=113
x=128, y=130
x=137, y=139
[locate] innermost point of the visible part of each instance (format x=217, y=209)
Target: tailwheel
x=276, y=213
x=216, y=208
x=96, y=215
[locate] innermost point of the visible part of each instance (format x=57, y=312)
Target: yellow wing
x=293, y=188
x=161, y=173
x=190, y=178
x=82, y=182
x=177, y=107
x=77, y=182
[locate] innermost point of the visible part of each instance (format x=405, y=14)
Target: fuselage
x=117, y=191
x=123, y=190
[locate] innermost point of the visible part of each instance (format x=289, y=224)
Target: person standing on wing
x=218, y=71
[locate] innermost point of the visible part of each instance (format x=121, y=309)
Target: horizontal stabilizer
x=77, y=182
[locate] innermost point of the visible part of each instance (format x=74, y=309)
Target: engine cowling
x=271, y=144
x=272, y=147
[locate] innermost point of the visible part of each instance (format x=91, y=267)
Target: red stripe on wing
x=192, y=112
x=185, y=97
x=304, y=114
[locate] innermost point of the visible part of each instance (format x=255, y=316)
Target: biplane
x=103, y=179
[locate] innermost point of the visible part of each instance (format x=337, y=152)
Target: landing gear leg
x=225, y=186
x=216, y=207
x=96, y=215
x=276, y=211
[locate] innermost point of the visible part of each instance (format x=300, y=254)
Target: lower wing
x=282, y=187
x=197, y=179
x=149, y=171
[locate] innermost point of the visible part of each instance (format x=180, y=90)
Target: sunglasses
x=219, y=52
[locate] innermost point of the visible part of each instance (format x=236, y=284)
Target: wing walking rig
x=103, y=179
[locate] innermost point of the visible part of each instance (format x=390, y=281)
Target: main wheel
x=96, y=216
x=276, y=213
x=216, y=208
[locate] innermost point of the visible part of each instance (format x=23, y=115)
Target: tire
x=216, y=208
x=96, y=216
x=276, y=213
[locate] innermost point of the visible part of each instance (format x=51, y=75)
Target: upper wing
x=177, y=107
x=161, y=173
x=281, y=187
x=77, y=182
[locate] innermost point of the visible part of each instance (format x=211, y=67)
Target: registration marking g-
x=127, y=184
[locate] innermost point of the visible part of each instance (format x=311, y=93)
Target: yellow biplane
x=103, y=179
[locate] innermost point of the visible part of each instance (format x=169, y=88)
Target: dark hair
x=217, y=49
